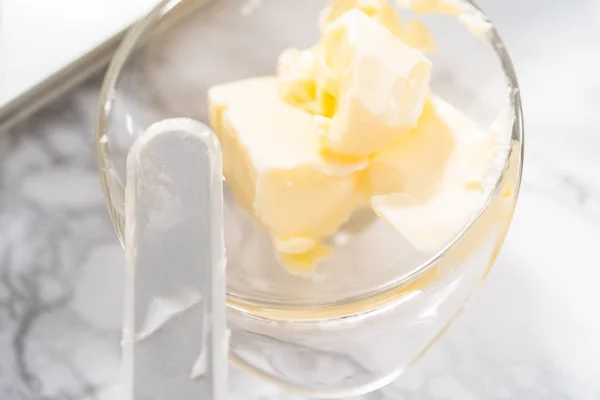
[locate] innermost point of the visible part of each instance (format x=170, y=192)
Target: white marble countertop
x=531, y=333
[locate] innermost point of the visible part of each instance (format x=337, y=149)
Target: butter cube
x=414, y=165
x=379, y=10
x=297, y=69
x=431, y=184
x=380, y=84
x=272, y=162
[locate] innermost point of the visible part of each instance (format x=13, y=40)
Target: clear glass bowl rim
x=286, y=311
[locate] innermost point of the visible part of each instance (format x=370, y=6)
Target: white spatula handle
x=175, y=339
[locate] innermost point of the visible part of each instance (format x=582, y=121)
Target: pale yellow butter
x=473, y=19
x=271, y=159
x=416, y=35
x=414, y=165
x=297, y=77
x=380, y=11
x=352, y=121
x=311, y=78
x=413, y=33
x=433, y=6
x=379, y=82
x=433, y=184
x=298, y=69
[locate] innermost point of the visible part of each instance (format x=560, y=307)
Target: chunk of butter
x=379, y=82
x=417, y=36
x=380, y=11
x=414, y=165
x=311, y=78
x=413, y=33
x=434, y=6
x=271, y=159
x=430, y=185
x=296, y=71
x=475, y=21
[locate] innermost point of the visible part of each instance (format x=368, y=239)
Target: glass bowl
x=374, y=306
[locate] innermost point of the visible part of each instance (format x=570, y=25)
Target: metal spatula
x=175, y=339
